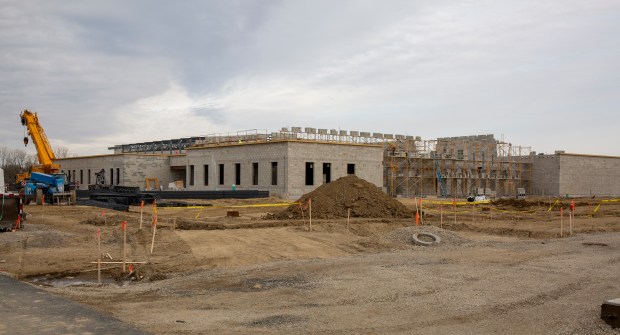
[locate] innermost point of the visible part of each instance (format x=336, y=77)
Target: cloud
x=105, y=73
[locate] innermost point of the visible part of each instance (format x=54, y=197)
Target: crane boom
x=45, y=153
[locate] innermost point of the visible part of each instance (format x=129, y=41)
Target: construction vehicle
x=45, y=154
x=48, y=188
x=12, y=209
x=44, y=180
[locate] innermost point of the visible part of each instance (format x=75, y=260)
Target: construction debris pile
x=333, y=200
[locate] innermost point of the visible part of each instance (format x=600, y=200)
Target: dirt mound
x=514, y=203
x=93, y=221
x=331, y=201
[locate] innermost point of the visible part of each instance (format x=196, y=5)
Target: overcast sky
x=544, y=74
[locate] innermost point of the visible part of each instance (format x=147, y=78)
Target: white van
x=481, y=198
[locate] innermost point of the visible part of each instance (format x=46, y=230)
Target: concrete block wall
x=139, y=167
x=583, y=175
x=131, y=168
x=291, y=157
x=545, y=175
x=89, y=165
x=575, y=175
x=245, y=155
x=367, y=159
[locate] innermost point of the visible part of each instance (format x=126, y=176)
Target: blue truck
x=48, y=188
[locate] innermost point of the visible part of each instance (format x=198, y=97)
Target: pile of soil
x=511, y=202
x=331, y=201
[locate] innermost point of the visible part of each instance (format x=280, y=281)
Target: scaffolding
x=456, y=167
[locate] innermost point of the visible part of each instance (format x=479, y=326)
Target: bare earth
x=502, y=270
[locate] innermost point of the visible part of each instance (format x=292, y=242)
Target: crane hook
x=25, y=141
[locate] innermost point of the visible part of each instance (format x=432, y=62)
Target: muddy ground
x=501, y=268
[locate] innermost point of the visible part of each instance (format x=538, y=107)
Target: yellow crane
x=45, y=154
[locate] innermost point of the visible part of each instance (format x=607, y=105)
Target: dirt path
x=497, y=271
x=238, y=247
x=520, y=287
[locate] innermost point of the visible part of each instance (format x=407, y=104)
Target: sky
x=539, y=74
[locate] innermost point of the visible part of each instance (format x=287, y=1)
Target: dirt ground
x=500, y=268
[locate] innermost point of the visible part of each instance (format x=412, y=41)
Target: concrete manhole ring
x=422, y=239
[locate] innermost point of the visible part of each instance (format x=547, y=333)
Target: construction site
x=291, y=162
x=306, y=230
x=457, y=166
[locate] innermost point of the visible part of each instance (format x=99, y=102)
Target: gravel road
x=520, y=287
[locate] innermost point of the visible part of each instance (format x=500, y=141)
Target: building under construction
x=294, y=161
x=456, y=166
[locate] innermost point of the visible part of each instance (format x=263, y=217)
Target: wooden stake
x=440, y=216
x=174, y=223
x=417, y=211
x=348, y=215
x=124, y=226
x=570, y=223
x=99, y=256
x=310, y=212
x=561, y=223
x=141, y=212
x=303, y=217
x=454, y=206
x=154, y=231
